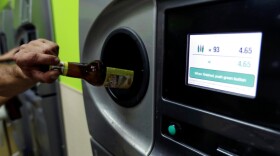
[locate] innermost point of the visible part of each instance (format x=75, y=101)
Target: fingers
x=46, y=77
x=45, y=59
x=45, y=46
x=37, y=52
x=30, y=57
x=50, y=47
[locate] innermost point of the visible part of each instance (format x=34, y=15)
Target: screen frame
x=180, y=21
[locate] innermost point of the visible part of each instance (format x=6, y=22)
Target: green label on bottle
x=118, y=78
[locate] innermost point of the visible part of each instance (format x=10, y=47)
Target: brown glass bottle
x=97, y=74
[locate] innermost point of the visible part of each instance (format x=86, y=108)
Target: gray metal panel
x=29, y=145
x=37, y=12
x=7, y=27
x=98, y=150
x=41, y=132
x=87, y=18
x=25, y=12
x=123, y=131
x=51, y=113
x=16, y=13
x=41, y=17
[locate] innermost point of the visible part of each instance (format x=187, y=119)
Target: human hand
x=32, y=56
x=8, y=56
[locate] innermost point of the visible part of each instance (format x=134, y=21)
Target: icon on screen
x=200, y=48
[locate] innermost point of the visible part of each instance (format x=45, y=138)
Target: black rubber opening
x=3, y=43
x=25, y=34
x=124, y=49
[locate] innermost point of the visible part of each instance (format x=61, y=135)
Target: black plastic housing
x=211, y=121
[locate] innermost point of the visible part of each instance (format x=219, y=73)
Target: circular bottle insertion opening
x=124, y=49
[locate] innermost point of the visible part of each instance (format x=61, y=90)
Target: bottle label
x=118, y=78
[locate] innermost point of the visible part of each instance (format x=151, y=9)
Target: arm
x=29, y=58
x=6, y=69
x=13, y=80
x=8, y=57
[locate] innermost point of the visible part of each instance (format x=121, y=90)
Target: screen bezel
x=178, y=22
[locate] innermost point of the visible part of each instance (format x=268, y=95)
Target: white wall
x=75, y=124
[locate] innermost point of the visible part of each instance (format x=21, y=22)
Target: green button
x=172, y=129
x=234, y=78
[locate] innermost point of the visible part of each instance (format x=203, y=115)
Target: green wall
x=66, y=30
x=3, y=4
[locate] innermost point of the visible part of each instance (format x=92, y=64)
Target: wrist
x=20, y=75
x=9, y=56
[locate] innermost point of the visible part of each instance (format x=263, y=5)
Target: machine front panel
x=217, y=84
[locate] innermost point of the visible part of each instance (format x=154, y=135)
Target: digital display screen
x=227, y=62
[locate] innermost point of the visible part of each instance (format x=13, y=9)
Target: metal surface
x=122, y=131
x=37, y=12
x=7, y=27
x=40, y=133
x=97, y=149
x=86, y=19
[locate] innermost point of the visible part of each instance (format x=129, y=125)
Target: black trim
x=168, y=110
x=25, y=33
x=123, y=48
x=3, y=43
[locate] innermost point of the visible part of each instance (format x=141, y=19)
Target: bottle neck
x=97, y=74
x=90, y=72
x=72, y=69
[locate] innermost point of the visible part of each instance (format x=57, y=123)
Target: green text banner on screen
x=227, y=62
